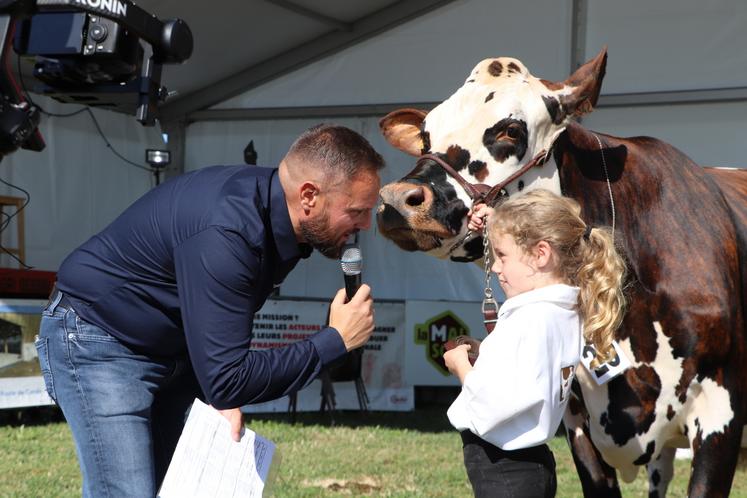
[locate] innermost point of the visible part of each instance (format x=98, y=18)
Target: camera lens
x=98, y=32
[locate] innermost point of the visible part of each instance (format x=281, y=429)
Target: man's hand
x=477, y=216
x=354, y=320
x=457, y=361
x=236, y=419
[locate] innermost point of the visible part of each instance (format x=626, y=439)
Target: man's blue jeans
x=125, y=409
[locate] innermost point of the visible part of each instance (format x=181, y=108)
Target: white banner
x=281, y=322
x=429, y=325
x=405, y=350
x=18, y=392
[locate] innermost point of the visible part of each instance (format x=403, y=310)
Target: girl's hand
x=477, y=216
x=472, y=342
x=457, y=361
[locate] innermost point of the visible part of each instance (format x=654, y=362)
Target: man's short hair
x=339, y=151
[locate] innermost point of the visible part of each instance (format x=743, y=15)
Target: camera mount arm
x=19, y=120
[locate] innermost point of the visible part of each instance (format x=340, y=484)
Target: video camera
x=86, y=52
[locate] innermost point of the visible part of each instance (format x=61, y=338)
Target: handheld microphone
x=352, y=265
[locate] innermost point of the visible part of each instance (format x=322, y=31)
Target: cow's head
x=499, y=120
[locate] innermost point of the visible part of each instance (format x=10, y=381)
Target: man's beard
x=319, y=235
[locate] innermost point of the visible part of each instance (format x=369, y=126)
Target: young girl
x=563, y=283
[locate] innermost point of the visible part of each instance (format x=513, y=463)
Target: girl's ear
x=542, y=254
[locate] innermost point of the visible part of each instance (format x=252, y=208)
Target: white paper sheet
x=208, y=463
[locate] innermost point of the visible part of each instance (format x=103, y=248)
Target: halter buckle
x=489, y=313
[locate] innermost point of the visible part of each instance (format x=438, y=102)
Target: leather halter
x=480, y=192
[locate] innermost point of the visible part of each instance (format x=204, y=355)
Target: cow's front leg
x=597, y=478
x=714, y=460
x=660, y=473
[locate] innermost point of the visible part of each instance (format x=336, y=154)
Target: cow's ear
x=585, y=85
x=402, y=128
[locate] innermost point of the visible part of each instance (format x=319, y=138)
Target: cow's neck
x=582, y=172
x=634, y=187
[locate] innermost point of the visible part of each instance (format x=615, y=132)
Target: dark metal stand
x=349, y=370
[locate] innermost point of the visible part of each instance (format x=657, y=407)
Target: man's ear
x=308, y=195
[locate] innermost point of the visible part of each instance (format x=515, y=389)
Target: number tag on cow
x=605, y=371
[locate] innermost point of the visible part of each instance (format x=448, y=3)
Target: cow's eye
x=512, y=132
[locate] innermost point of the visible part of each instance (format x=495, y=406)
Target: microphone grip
x=352, y=283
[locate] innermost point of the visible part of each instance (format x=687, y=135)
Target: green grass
x=379, y=454
x=38, y=460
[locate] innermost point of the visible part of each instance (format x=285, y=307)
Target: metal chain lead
x=609, y=184
x=489, y=305
x=486, y=259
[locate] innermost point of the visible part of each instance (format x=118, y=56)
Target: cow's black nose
x=415, y=197
x=389, y=217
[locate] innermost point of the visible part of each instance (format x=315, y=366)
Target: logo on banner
x=434, y=333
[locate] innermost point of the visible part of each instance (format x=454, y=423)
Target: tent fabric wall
x=76, y=183
x=392, y=273
x=669, y=44
x=427, y=58
x=653, y=46
x=710, y=134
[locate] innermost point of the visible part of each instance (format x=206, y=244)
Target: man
x=158, y=307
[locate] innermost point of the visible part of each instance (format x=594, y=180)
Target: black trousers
x=493, y=472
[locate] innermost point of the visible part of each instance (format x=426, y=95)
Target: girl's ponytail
x=600, y=276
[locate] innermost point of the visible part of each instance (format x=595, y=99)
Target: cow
x=681, y=227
